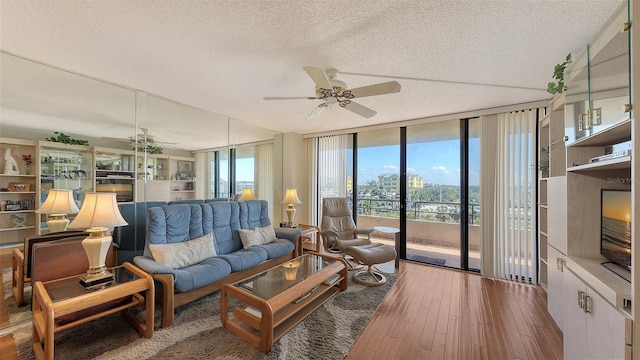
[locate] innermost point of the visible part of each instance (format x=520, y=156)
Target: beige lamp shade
x=58, y=204
x=99, y=212
x=247, y=194
x=291, y=197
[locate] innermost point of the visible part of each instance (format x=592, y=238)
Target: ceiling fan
x=144, y=138
x=334, y=91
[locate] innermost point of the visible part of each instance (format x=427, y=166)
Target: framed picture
x=185, y=170
x=18, y=186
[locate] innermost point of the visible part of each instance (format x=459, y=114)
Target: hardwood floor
x=437, y=313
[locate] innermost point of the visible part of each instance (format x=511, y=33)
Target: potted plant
x=558, y=74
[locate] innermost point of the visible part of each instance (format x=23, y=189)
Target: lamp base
x=89, y=280
x=57, y=223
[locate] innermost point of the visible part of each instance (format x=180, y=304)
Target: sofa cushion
x=278, y=248
x=254, y=213
x=183, y=254
x=201, y=274
x=244, y=259
x=257, y=236
x=173, y=224
x=221, y=218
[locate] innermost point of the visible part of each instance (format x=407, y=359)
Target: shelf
x=183, y=181
x=544, y=206
x=182, y=191
x=114, y=178
x=617, y=133
x=17, y=228
x=613, y=164
x=609, y=286
x=544, y=261
x=544, y=233
x=17, y=192
x=20, y=176
x=16, y=211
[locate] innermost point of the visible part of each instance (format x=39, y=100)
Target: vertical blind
x=331, y=175
x=263, y=183
x=509, y=247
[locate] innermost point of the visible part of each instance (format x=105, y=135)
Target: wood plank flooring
x=437, y=313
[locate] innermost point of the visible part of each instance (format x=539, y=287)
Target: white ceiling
x=225, y=56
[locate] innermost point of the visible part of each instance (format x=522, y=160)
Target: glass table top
x=71, y=287
x=277, y=279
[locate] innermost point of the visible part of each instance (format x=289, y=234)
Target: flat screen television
x=615, y=226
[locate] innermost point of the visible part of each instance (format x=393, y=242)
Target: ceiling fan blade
x=359, y=109
x=317, y=111
x=318, y=76
x=377, y=89
x=290, y=98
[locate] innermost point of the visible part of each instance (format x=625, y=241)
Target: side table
x=311, y=239
x=66, y=299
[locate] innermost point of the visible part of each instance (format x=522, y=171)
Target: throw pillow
x=257, y=236
x=180, y=255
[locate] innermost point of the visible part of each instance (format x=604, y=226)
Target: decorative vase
x=27, y=170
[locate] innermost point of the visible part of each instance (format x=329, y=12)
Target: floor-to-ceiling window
x=434, y=193
x=244, y=169
x=418, y=179
x=377, y=156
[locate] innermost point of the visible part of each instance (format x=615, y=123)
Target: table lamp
x=98, y=214
x=58, y=204
x=291, y=197
x=247, y=194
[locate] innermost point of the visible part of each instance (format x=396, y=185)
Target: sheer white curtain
x=508, y=196
x=331, y=173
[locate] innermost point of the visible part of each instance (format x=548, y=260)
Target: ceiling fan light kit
x=335, y=91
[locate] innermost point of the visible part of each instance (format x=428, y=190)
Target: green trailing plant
x=151, y=149
x=66, y=139
x=558, y=74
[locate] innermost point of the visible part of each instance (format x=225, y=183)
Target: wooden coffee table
x=272, y=305
x=57, y=299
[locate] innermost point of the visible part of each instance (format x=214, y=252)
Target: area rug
x=197, y=333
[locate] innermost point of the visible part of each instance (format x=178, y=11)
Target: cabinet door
x=557, y=212
x=555, y=294
x=574, y=319
x=605, y=329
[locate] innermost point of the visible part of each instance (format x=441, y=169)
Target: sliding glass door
x=433, y=200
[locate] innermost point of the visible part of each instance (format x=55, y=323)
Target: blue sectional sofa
x=172, y=226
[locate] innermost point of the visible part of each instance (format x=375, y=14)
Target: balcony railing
x=418, y=210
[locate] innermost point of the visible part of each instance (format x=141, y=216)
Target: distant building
x=390, y=183
x=349, y=183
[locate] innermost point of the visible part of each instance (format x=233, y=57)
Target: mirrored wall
x=141, y=146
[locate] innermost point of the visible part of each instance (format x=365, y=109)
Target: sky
x=617, y=205
x=437, y=162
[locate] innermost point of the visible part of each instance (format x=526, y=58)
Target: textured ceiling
x=225, y=56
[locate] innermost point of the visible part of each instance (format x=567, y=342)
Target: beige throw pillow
x=257, y=236
x=180, y=255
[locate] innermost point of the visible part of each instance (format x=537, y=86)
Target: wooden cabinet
x=555, y=297
x=598, y=319
x=18, y=189
x=594, y=329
